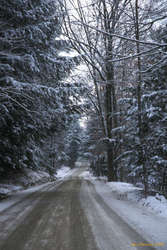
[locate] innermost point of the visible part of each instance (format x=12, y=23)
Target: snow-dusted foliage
x=73, y=142
x=35, y=105
x=146, y=157
x=124, y=44
x=155, y=114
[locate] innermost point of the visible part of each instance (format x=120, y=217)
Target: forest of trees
x=37, y=104
x=124, y=45
x=121, y=45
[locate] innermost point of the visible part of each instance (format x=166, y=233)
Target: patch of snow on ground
x=127, y=191
x=33, y=177
x=86, y=175
x=63, y=171
x=146, y=222
x=122, y=187
x=142, y=214
x=156, y=203
x=7, y=188
x=16, y=197
x=124, y=190
x=4, y=190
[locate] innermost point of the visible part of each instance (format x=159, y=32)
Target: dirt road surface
x=65, y=215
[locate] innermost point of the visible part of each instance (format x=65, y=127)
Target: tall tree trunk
x=109, y=110
x=111, y=107
x=139, y=95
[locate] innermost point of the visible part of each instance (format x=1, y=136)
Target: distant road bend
x=65, y=215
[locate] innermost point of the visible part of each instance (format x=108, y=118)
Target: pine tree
x=154, y=101
x=33, y=109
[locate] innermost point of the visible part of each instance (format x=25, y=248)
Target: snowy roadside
x=14, y=193
x=127, y=191
x=18, y=196
x=63, y=172
x=22, y=181
x=147, y=216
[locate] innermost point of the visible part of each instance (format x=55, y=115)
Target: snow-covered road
x=69, y=214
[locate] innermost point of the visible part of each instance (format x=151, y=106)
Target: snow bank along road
x=66, y=215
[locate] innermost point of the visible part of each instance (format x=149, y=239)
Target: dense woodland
x=98, y=61
x=38, y=107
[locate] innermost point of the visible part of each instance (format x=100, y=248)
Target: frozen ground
x=30, y=178
x=127, y=191
x=79, y=212
x=16, y=193
x=16, y=197
x=147, y=216
x=50, y=219
x=23, y=180
x=157, y=204
x=63, y=172
x=8, y=188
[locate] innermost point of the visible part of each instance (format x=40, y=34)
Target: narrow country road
x=65, y=215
